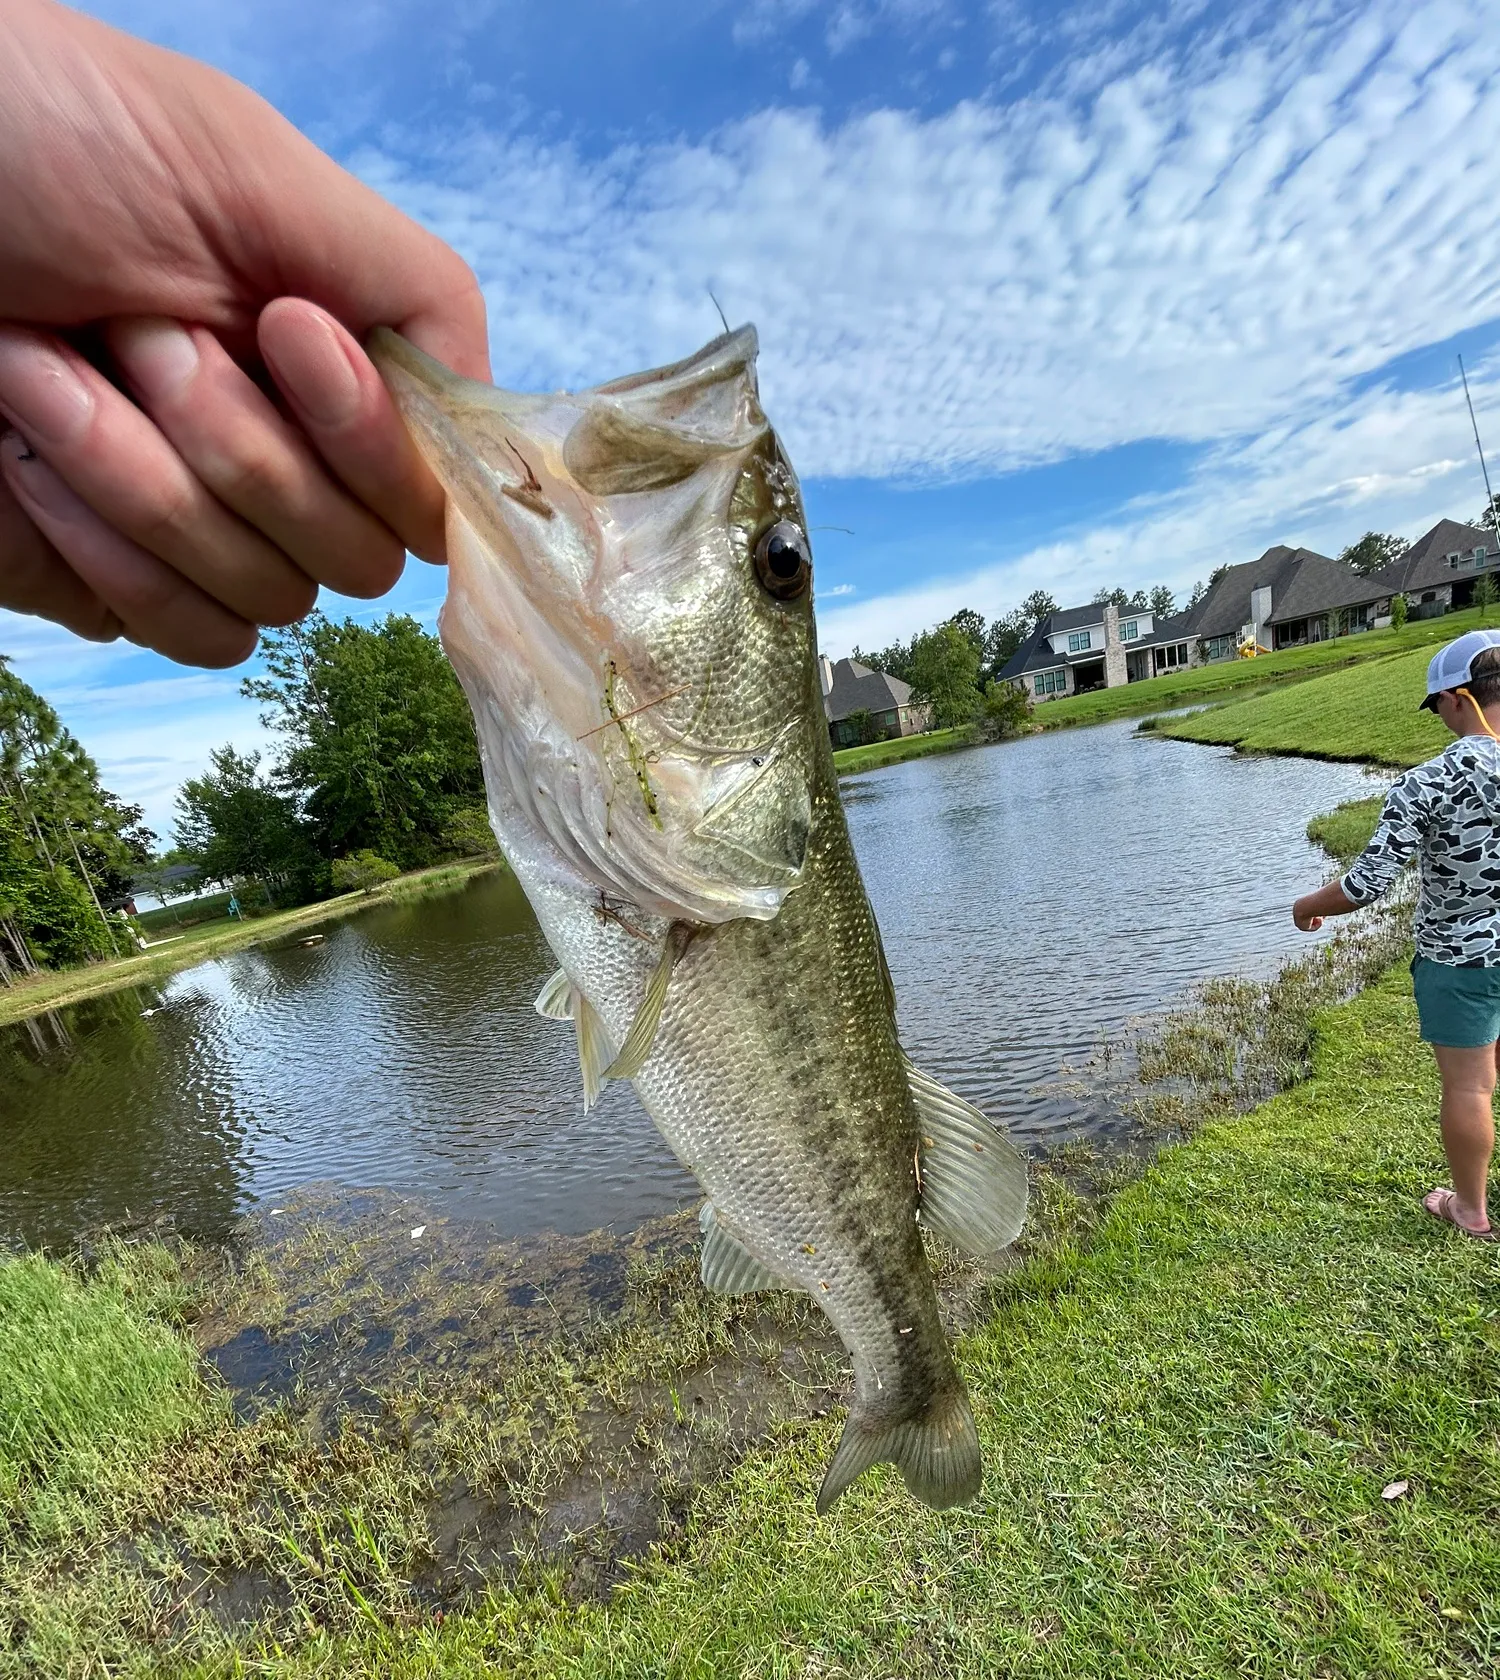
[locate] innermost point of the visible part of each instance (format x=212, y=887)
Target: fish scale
x=630, y=613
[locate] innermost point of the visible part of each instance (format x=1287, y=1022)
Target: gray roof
x=1425, y=563
x=1301, y=583
x=856, y=688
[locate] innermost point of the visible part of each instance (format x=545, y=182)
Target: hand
x=1304, y=918
x=161, y=219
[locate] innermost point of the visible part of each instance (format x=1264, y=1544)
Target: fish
x=630, y=613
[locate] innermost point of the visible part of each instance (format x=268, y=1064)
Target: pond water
x=1033, y=897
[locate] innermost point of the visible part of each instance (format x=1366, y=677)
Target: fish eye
x=782, y=562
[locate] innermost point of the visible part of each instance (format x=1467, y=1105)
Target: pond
x=1034, y=898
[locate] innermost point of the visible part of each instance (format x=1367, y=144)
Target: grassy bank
x=851, y=759
x=56, y=989
x=1239, y=678
x=1345, y=831
x=1189, y=1410
x=1368, y=712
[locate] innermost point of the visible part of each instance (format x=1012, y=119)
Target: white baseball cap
x=1449, y=666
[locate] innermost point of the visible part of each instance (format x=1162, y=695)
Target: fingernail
x=39, y=391
x=34, y=482
x=312, y=366
x=158, y=356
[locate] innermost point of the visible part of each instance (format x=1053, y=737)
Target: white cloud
x=1196, y=250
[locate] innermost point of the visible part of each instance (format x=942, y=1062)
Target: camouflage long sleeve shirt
x=1445, y=815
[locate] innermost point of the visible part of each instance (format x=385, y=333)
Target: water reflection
x=1033, y=898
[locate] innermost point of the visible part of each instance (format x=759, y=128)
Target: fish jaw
x=642, y=704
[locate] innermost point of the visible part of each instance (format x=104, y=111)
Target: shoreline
x=56, y=989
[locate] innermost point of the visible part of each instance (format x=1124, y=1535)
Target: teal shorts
x=1459, y=1008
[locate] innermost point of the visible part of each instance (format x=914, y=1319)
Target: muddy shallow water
x=1034, y=898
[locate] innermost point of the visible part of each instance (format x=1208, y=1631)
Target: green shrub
x=362, y=871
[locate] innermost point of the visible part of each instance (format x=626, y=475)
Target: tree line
x=69, y=848
x=376, y=768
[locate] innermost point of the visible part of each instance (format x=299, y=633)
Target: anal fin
x=561, y=1000
x=727, y=1266
x=973, y=1178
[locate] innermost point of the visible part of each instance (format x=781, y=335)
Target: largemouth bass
x=630, y=613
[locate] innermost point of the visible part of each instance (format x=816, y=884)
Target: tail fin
x=936, y=1451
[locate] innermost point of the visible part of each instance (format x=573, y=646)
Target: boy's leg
x=1468, y=1124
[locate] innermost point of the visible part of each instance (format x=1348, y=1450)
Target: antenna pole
x=1494, y=512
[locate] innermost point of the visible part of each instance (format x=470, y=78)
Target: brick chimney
x=1115, y=675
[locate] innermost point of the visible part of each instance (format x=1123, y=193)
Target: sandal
x=1439, y=1203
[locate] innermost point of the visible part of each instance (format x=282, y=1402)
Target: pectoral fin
x=973, y=1177
x=727, y=1266
x=560, y=1000
x=642, y=1034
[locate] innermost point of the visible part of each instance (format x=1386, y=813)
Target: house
x=1287, y=597
x=1077, y=649
x=854, y=695
x=1437, y=572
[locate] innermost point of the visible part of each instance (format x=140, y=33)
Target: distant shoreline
x=56, y=989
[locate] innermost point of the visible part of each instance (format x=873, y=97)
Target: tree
x=233, y=824
x=1118, y=598
x=971, y=624
x=1373, y=550
x=1398, y=610
x=1004, y=711
x=1163, y=602
x=1484, y=594
x=894, y=660
x=1037, y=605
x=945, y=674
x=81, y=838
x=1489, y=518
x=380, y=746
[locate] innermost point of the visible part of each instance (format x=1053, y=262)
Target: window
x=1479, y=554
x=1169, y=658
x=1079, y=641
x=1453, y=562
x=1129, y=630
x=1050, y=682
x=1218, y=647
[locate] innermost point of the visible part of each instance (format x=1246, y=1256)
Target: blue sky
x=1049, y=296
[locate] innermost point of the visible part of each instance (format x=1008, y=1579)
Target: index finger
x=345, y=409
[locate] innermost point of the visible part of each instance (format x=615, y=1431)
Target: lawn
x=1189, y=1419
x=1365, y=712
x=848, y=760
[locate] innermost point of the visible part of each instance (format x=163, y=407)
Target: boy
x=1446, y=814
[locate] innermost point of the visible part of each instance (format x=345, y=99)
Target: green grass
x=91, y=1372
x=848, y=760
x=1345, y=831
x=1188, y=1417
x=1366, y=712
x=1240, y=676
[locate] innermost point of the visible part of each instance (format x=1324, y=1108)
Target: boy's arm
x=1393, y=845
x=1309, y=910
